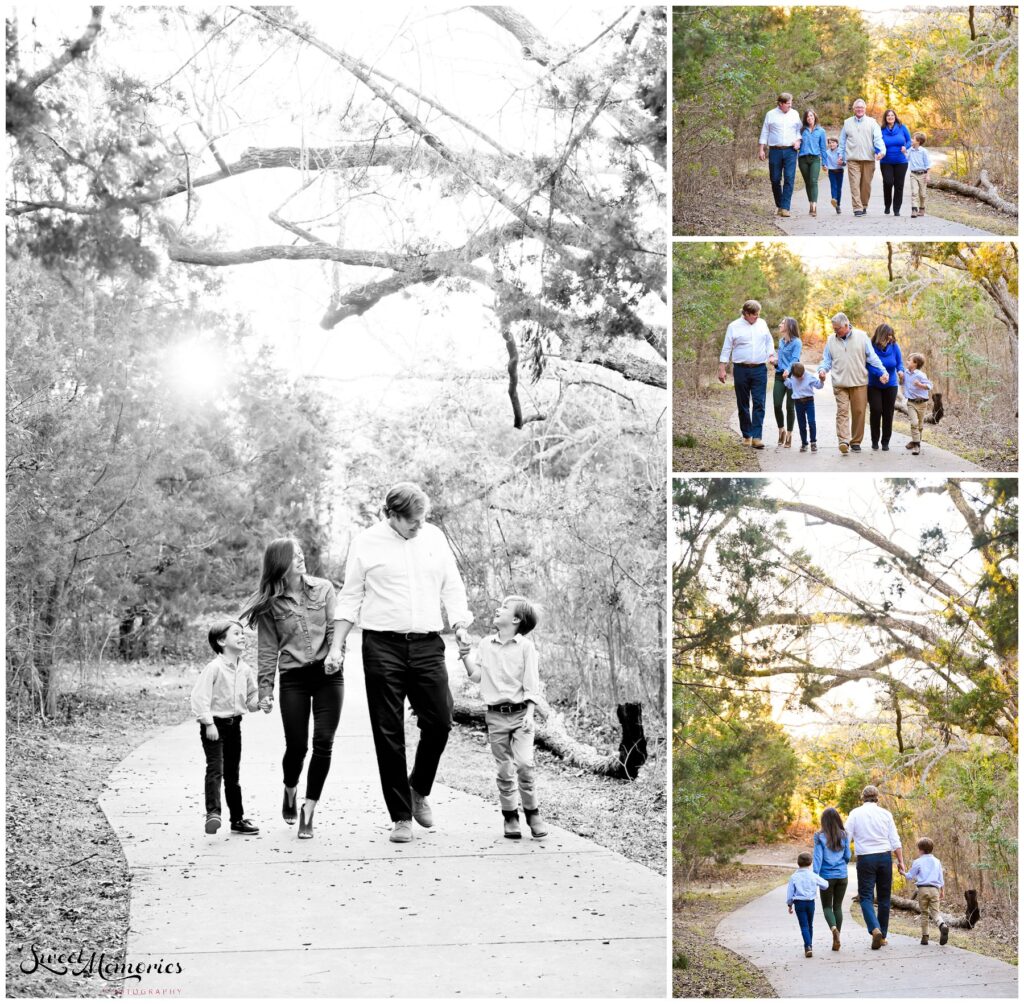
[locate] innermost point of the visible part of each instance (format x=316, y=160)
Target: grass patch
x=700, y=967
x=68, y=886
x=701, y=437
x=744, y=209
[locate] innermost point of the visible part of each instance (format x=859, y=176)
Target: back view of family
x=872, y=831
x=866, y=374
x=789, y=141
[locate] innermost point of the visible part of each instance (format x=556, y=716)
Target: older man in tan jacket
x=848, y=356
x=860, y=146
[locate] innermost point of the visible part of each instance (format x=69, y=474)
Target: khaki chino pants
x=860, y=173
x=851, y=407
x=928, y=901
x=918, y=187
x=918, y=410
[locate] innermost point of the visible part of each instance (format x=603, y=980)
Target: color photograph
x=875, y=120
x=845, y=737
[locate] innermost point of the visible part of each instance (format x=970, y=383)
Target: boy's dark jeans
x=305, y=689
x=223, y=755
x=804, y=910
x=874, y=871
x=832, y=902
x=835, y=180
x=805, y=417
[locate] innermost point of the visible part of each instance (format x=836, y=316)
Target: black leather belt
x=507, y=709
x=403, y=635
x=750, y=364
x=925, y=171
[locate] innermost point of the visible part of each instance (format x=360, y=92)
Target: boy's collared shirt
x=804, y=884
x=926, y=870
x=918, y=159
x=223, y=691
x=507, y=670
x=916, y=385
x=805, y=386
x=830, y=160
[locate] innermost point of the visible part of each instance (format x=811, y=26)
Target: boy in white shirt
x=505, y=666
x=226, y=690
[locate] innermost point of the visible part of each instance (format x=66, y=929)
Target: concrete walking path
x=460, y=911
x=898, y=459
x=765, y=934
x=828, y=223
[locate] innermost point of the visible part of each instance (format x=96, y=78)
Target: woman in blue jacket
x=882, y=398
x=813, y=147
x=790, y=348
x=896, y=138
x=831, y=856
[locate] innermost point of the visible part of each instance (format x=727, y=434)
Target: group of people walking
x=866, y=376
x=870, y=831
x=398, y=575
x=789, y=141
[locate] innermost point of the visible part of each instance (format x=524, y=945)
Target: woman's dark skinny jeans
x=832, y=901
x=304, y=689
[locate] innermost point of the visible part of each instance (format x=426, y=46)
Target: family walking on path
x=789, y=140
x=398, y=575
x=871, y=831
x=866, y=375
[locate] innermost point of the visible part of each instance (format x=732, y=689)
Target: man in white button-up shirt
x=872, y=832
x=780, y=142
x=748, y=344
x=398, y=574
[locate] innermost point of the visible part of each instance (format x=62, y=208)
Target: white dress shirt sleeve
x=350, y=599
x=202, y=693
x=764, y=131
x=531, y=677
x=453, y=591
x=727, y=344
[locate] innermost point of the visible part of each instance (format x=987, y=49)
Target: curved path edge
x=764, y=933
x=460, y=911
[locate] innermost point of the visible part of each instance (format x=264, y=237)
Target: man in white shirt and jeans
x=780, y=143
x=872, y=831
x=398, y=574
x=748, y=343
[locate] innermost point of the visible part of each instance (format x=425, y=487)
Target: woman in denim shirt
x=896, y=138
x=790, y=348
x=813, y=147
x=293, y=614
x=882, y=397
x=831, y=856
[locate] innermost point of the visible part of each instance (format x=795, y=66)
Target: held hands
x=462, y=637
x=266, y=704
x=211, y=733
x=335, y=661
x=884, y=378
x=821, y=376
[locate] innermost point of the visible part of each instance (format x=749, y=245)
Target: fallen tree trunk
x=553, y=735
x=984, y=191
x=902, y=903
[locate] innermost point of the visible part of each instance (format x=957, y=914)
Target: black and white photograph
x=336, y=435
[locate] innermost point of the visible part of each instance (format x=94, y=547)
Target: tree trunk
x=902, y=903
x=552, y=735
x=985, y=192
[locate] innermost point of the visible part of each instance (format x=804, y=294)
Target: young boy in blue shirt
x=926, y=871
x=800, y=894
x=505, y=666
x=803, y=383
x=835, y=171
x=918, y=164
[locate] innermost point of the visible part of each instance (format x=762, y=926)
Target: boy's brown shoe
x=835, y=939
x=538, y=828
x=876, y=939
x=924, y=939
x=512, y=830
x=943, y=933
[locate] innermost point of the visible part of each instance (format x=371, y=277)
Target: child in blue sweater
x=803, y=887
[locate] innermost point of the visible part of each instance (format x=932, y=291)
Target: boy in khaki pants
x=926, y=871
x=916, y=386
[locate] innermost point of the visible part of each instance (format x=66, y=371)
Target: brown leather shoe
x=512, y=829
x=746, y=440
x=757, y=444
x=783, y=212
x=876, y=939
x=538, y=828
x=789, y=439
x=835, y=939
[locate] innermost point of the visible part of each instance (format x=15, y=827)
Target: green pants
x=810, y=168
x=780, y=391
x=832, y=902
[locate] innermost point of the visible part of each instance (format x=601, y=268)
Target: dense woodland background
x=949, y=72
x=954, y=302
x=135, y=511
x=763, y=620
